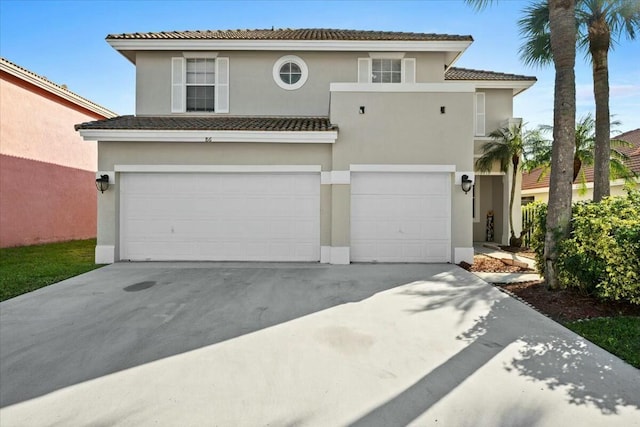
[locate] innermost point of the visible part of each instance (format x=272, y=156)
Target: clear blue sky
x=64, y=41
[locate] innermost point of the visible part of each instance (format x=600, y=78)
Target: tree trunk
x=563, y=47
x=599, y=43
x=577, y=164
x=515, y=161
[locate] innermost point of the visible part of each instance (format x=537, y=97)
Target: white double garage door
x=394, y=217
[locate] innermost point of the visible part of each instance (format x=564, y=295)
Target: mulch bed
x=492, y=265
x=562, y=305
x=569, y=304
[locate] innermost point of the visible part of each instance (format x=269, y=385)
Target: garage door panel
x=209, y=216
x=400, y=217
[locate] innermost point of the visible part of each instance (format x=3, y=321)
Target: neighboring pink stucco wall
x=39, y=126
x=47, y=171
x=41, y=202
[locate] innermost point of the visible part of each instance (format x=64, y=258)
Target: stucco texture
x=47, y=171
x=41, y=202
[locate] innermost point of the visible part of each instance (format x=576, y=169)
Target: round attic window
x=290, y=72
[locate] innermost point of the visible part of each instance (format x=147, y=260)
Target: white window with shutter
x=199, y=84
x=386, y=68
x=480, y=114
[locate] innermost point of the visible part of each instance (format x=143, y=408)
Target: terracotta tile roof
x=530, y=180
x=290, y=34
x=274, y=124
x=455, y=73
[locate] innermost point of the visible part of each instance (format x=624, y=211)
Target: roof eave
x=209, y=136
x=128, y=46
x=518, y=86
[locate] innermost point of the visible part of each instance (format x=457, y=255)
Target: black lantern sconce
x=102, y=183
x=466, y=183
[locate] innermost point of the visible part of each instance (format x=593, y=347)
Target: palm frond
x=536, y=33
x=479, y=4
x=506, y=142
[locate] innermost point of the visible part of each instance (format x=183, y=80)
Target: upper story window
x=290, y=72
x=390, y=67
x=199, y=83
x=201, y=73
x=386, y=71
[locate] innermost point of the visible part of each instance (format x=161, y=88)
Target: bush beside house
x=601, y=256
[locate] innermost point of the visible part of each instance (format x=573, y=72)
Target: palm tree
x=597, y=21
x=538, y=152
x=506, y=147
x=562, y=44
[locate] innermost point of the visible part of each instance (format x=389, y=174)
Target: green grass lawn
x=617, y=335
x=28, y=268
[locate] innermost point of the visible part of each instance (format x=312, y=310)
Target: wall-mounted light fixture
x=466, y=183
x=102, y=183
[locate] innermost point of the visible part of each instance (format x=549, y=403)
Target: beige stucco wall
x=252, y=90
x=404, y=128
x=37, y=126
x=498, y=107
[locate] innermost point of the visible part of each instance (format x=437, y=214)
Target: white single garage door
x=400, y=217
x=220, y=216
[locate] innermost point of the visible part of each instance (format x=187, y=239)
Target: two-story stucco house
x=332, y=146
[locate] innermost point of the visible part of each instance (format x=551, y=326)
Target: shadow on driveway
x=125, y=315
x=420, y=345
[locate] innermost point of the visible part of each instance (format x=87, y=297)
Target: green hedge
x=602, y=255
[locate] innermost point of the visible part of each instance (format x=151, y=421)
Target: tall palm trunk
x=563, y=47
x=515, y=162
x=599, y=44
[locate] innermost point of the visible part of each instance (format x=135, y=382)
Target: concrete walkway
x=231, y=344
x=494, y=251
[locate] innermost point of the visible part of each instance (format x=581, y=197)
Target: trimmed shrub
x=537, y=236
x=602, y=255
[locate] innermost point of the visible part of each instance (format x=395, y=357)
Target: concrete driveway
x=234, y=344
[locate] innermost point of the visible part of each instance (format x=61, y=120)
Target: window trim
x=296, y=60
x=391, y=72
x=187, y=85
x=179, y=80
x=407, y=68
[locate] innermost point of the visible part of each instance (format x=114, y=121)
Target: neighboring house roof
x=53, y=88
x=530, y=180
x=271, y=124
x=456, y=73
x=290, y=34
